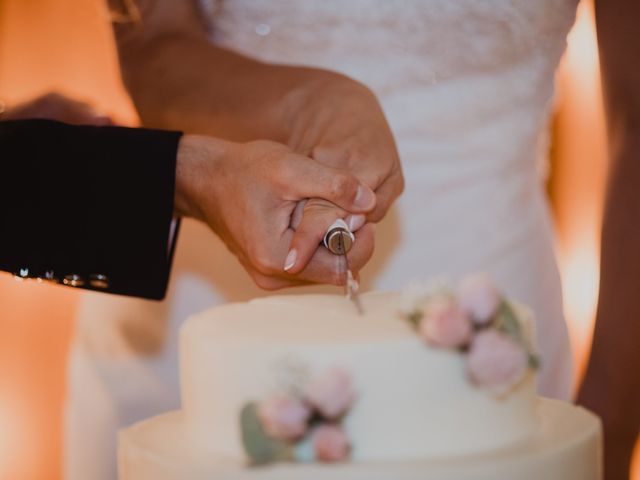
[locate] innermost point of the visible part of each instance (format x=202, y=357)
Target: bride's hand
x=340, y=123
x=248, y=193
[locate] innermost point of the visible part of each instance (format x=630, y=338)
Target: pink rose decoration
x=284, y=418
x=444, y=324
x=496, y=361
x=331, y=444
x=479, y=297
x=332, y=394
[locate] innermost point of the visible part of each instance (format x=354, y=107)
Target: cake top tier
x=389, y=384
x=303, y=320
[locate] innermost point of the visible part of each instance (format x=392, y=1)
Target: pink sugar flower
x=332, y=393
x=331, y=444
x=496, y=361
x=444, y=324
x=479, y=297
x=284, y=418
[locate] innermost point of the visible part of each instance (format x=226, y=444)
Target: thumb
x=308, y=178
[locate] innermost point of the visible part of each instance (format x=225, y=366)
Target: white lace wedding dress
x=467, y=86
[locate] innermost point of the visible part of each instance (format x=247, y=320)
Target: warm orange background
x=66, y=45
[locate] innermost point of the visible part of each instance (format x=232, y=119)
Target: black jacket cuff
x=88, y=206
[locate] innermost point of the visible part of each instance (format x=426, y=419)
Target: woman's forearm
x=178, y=79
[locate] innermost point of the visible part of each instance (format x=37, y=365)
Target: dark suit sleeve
x=86, y=206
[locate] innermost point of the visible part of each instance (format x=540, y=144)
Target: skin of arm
x=179, y=80
x=611, y=387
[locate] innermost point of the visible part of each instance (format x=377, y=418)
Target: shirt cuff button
x=100, y=281
x=73, y=280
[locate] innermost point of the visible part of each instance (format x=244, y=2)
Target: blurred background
x=66, y=45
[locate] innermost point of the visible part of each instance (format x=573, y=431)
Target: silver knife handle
x=339, y=238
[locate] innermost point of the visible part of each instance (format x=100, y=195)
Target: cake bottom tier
x=566, y=446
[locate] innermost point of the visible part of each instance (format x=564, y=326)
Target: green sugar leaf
x=534, y=361
x=259, y=446
x=507, y=322
x=414, y=318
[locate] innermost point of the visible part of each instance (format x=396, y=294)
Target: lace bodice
x=482, y=68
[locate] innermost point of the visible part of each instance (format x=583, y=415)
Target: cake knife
x=339, y=240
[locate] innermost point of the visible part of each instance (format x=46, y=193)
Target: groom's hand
x=248, y=194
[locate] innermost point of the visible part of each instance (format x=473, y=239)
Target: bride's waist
x=498, y=149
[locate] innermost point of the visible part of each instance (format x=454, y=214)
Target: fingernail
x=355, y=222
x=365, y=198
x=290, y=261
x=103, y=120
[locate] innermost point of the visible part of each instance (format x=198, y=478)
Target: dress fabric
x=467, y=87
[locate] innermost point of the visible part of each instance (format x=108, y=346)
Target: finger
x=367, y=159
x=74, y=111
x=85, y=115
x=102, y=121
x=386, y=194
x=269, y=283
x=325, y=268
x=317, y=217
x=296, y=216
x=355, y=222
x=307, y=178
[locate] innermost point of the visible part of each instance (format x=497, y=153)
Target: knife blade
x=339, y=240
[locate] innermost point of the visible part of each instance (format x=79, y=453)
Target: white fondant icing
x=417, y=415
x=566, y=445
x=414, y=401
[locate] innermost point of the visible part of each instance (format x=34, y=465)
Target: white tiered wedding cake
x=302, y=387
